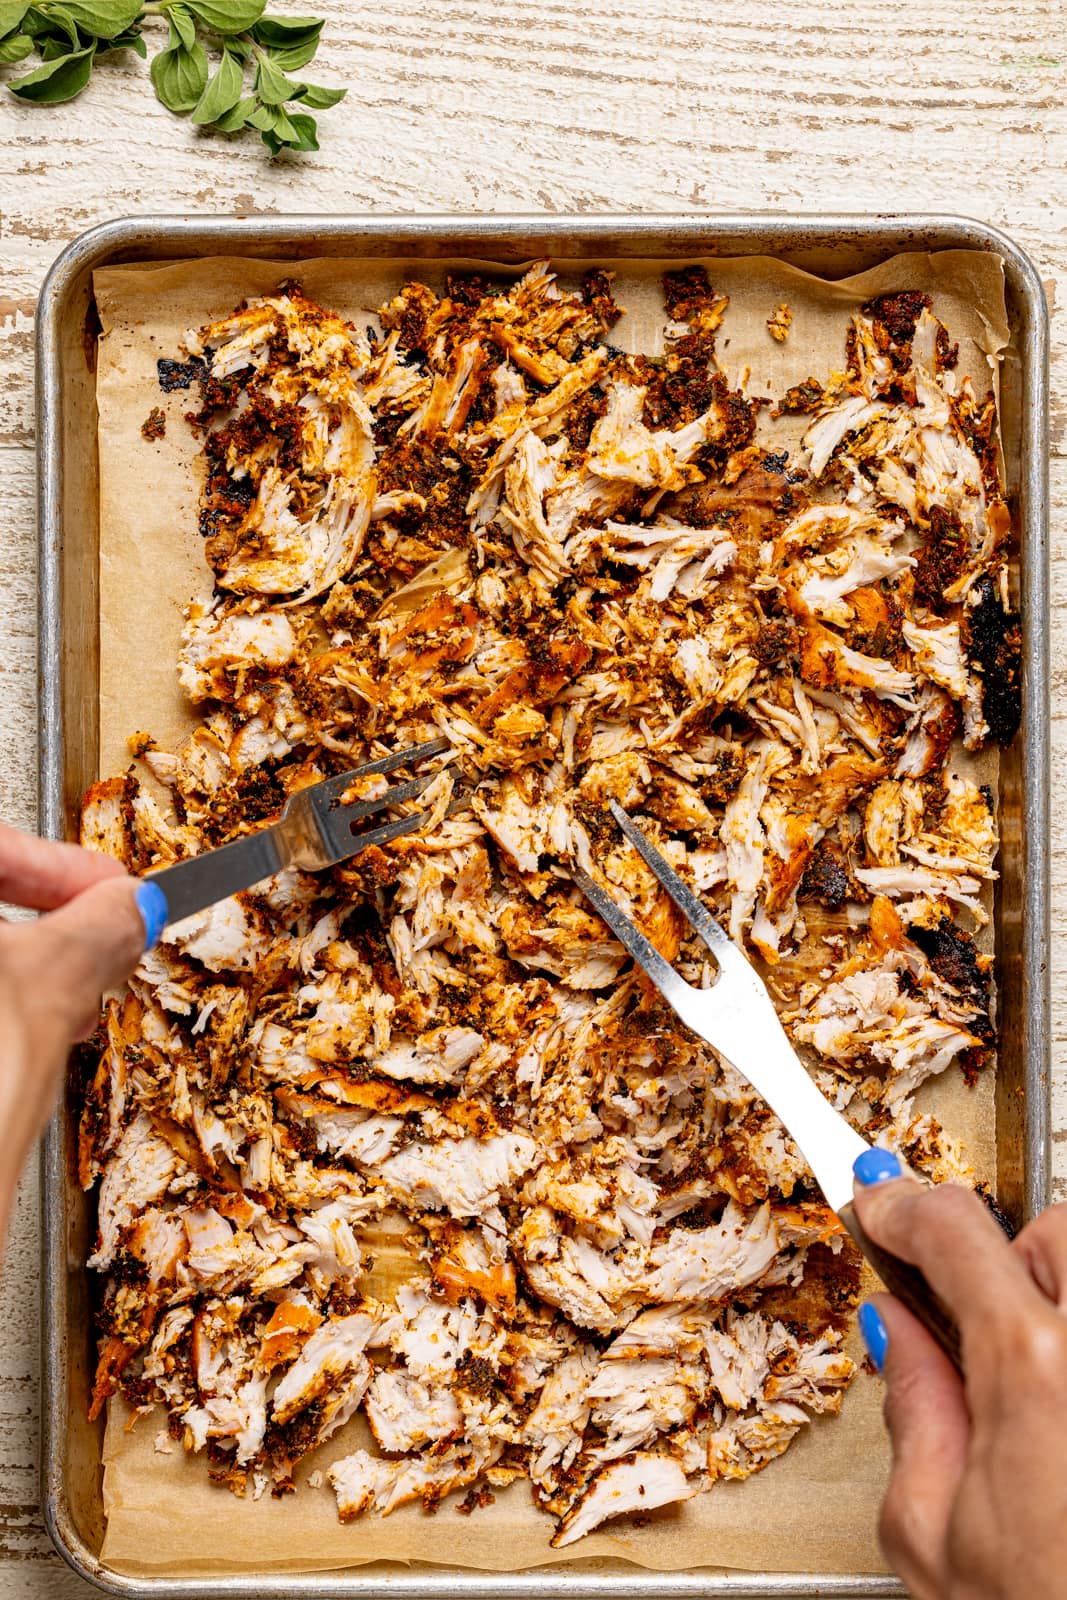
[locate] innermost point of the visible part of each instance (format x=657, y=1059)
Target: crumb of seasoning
x=780, y=322
x=154, y=425
x=475, y=1500
x=178, y=374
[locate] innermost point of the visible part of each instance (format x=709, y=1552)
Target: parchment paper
x=816, y=1508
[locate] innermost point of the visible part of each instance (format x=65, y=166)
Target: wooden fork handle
x=909, y=1286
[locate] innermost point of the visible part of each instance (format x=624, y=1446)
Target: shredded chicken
x=478, y=518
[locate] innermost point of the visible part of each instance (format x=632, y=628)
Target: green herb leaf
x=57, y=80
x=297, y=56
x=103, y=19
x=291, y=41
x=16, y=47
x=222, y=93
x=182, y=28
x=277, y=33
x=53, y=49
x=306, y=130
x=272, y=86
x=56, y=23
x=11, y=15
x=179, y=76
x=260, y=116
x=228, y=16
x=285, y=132
x=130, y=40
x=317, y=97
x=233, y=121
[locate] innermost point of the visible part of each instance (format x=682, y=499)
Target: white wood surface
x=596, y=105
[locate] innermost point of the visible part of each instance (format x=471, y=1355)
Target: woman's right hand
x=976, y=1507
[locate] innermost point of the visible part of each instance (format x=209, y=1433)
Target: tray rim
x=170, y=237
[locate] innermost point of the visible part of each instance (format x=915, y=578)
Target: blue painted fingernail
x=877, y=1166
x=152, y=904
x=874, y=1333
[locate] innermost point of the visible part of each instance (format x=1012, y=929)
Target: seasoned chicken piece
x=832, y=426
x=406, y=1414
x=661, y=1331
x=473, y=1261
x=217, y=647
x=433, y=1336
x=853, y=566
x=334, y=1351
x=437, y=1057
x=960, y=888
x=137, y=1176
x=104, y=819
x=556, y=1425
x=934, y=726
x=522, y=828
x=632, y=1402
x=738, y=1357
x=228, y=937
x=814, y=1375
x=463, y=1176
x=530, y=475
x=712, y=1263
x=361, y=1482
x=640, y=1482
x=677, y=558
x=746, y=1444
x=893, y=816
x=241, y=1416
x=290, y=1325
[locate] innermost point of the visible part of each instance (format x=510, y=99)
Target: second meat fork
x=737, y=1018
x=314, y=831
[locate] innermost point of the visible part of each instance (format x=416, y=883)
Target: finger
x=1042, y=1246
x=67, y=959
x=929, y=1430
x=949, y=1235
x=43, y=874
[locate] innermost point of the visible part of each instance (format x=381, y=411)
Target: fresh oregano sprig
x=225, y=64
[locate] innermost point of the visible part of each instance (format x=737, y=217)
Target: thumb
x=93, y=943
x=929, y=1428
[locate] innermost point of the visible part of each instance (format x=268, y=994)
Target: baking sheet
x=814, y=1510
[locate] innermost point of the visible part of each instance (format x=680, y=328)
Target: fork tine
x=387, y=831
x=414, y=753
x=713, y=934
x=359, y=809
x=670, y=984
x=396, y=829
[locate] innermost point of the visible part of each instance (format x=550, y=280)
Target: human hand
x=53, y=971
x=976, y=1507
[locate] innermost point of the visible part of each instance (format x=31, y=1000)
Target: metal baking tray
x=833, y=247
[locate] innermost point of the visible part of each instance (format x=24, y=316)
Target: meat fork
x=314, y=831
x=737, y=1017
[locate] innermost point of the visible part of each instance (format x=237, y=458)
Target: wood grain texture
x=461, y=105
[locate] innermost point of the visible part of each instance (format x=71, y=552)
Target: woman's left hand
x=98, y=922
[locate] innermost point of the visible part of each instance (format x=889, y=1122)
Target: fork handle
x=193, y=885
x=909, y=1286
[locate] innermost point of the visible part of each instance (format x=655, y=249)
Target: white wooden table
x=465, y=105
